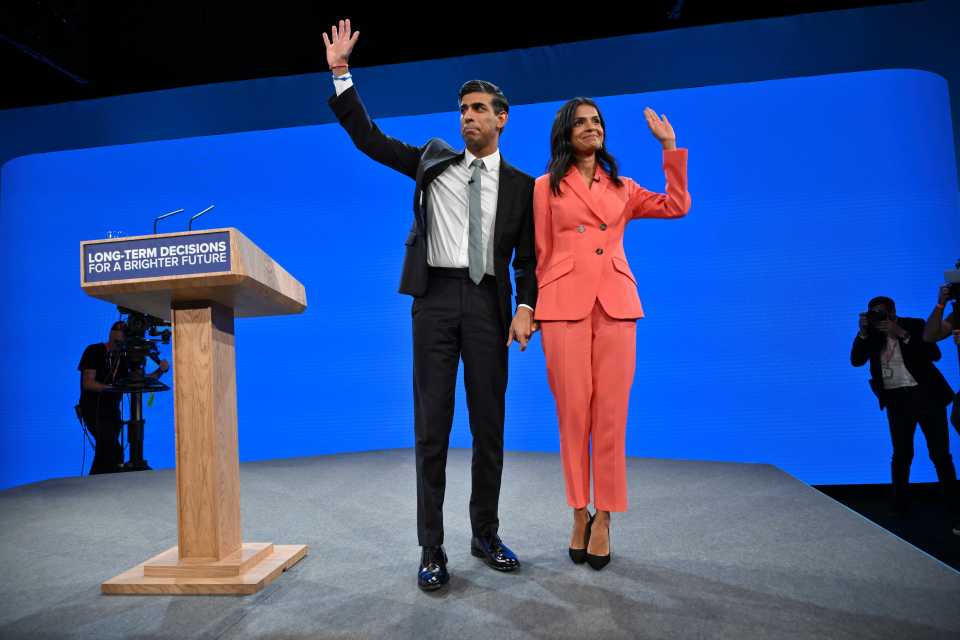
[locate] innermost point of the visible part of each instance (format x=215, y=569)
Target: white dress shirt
x=448, y=213
x=894, y=371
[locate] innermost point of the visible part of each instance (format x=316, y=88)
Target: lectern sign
x=153, y=257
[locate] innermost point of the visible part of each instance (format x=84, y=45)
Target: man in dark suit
x=912, y=390
x=471, y=212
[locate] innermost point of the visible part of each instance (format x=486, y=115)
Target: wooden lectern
x=200, y=281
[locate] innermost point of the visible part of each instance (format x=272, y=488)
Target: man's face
x=479, y=125
x=117, y=337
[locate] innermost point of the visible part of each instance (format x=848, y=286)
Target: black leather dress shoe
x=433, y=569
x=493, y=552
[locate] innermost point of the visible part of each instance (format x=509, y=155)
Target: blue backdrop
x=809, y=196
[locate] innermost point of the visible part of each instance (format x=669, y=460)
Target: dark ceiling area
x=60, y=50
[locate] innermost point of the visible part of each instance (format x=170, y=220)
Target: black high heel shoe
x=579, y=556
x=599, y=562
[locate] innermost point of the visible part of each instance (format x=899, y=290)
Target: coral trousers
x=590, y=366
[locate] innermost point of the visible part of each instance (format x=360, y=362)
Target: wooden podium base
x=248, y=570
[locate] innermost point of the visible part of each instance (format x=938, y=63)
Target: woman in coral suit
x=588, y=305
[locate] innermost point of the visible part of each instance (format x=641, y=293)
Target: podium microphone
x=197, y=215
x=159, y=218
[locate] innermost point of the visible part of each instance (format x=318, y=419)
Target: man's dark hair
x=882, y=300
x=119, y=325
x=499, y=100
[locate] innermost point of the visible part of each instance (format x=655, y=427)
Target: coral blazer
x=579, y=239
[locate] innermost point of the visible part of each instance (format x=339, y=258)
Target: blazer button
x=581, y=229
x=603, y=226
x=599, y=252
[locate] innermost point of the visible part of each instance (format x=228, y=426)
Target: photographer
x=912, y=390
x=938, y=328
x=100, y=367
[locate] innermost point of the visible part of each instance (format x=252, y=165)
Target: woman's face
x=586, y=136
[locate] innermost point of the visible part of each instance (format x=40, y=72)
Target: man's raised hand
x=340, y=43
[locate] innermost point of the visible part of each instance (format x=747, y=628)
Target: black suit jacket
x=513, y=227
x=918, y=357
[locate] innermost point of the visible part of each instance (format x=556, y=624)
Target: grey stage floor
x=708, y=550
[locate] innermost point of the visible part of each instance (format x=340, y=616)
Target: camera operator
x=912, y=390
x=100, y=366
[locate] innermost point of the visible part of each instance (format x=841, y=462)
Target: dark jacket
x=513, y=227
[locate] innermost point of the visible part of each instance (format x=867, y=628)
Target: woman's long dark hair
x=561, y=150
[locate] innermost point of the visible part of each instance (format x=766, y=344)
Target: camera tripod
x=135, y=427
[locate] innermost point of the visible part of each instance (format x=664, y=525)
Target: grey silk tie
x=475, y=249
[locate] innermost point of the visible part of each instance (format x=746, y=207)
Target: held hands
x=340, y=43
x=661, y=129
x=521, y=328
x=864, y=324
